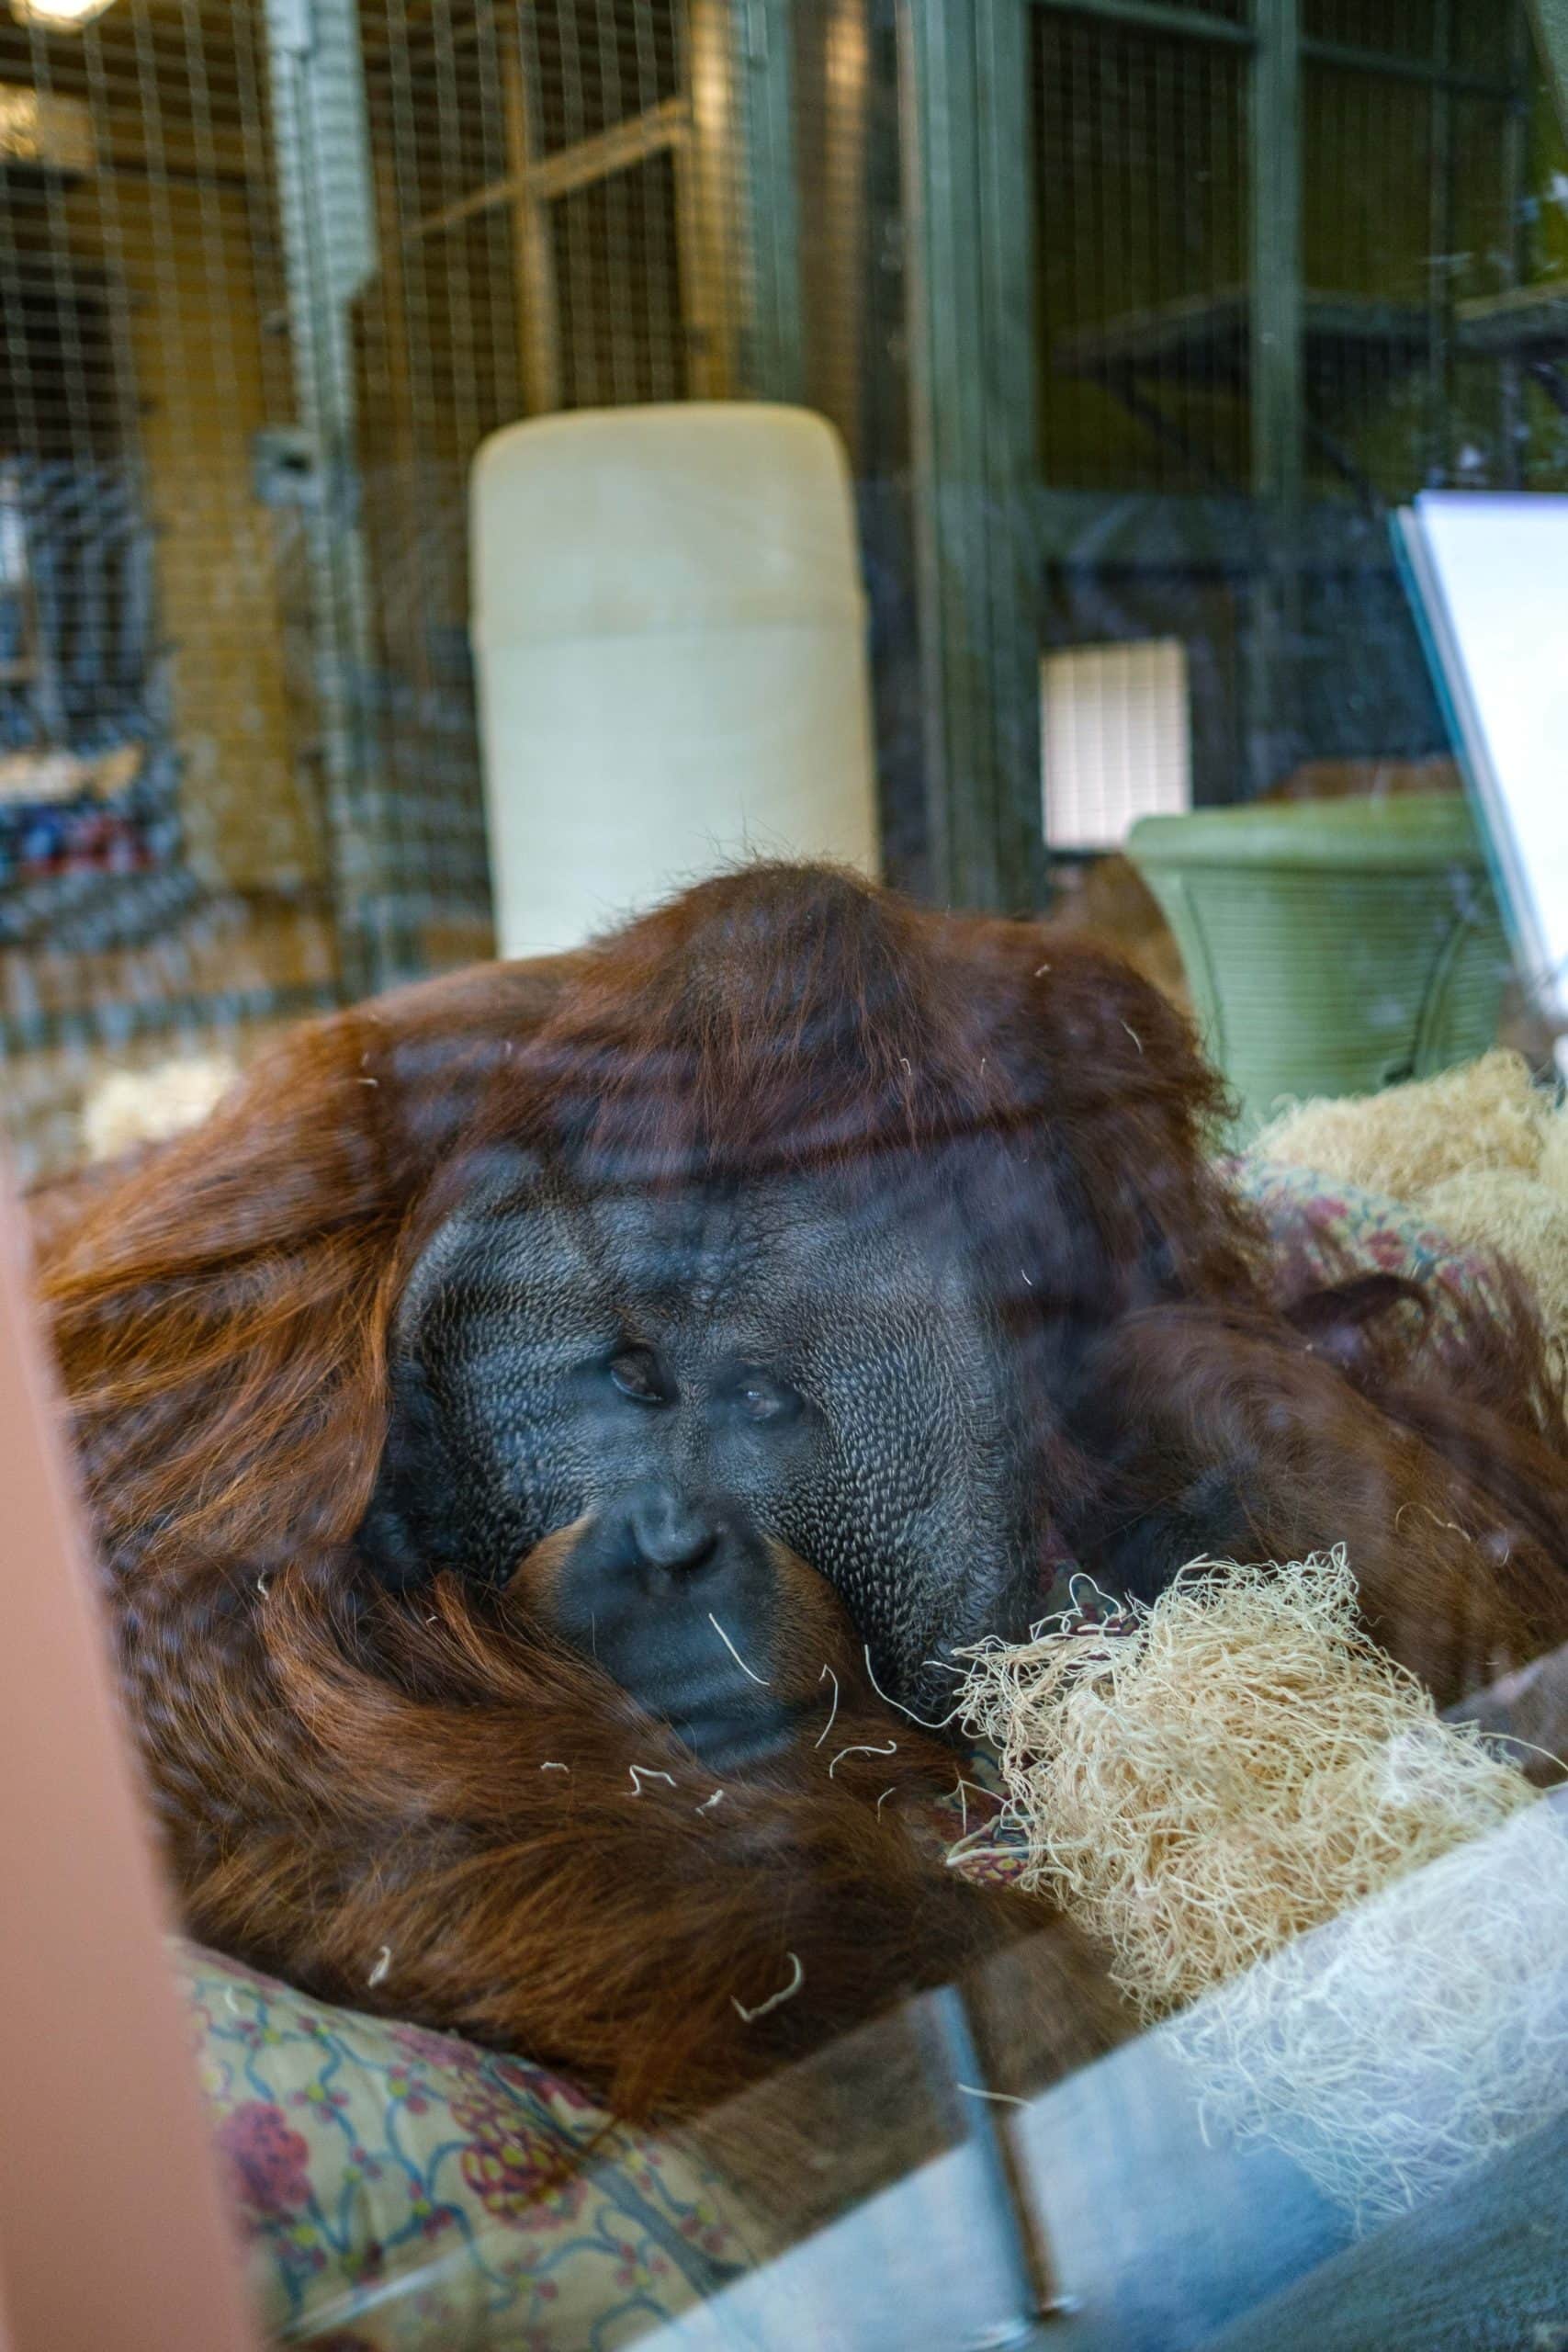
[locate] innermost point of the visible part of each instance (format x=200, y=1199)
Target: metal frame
x=1275, y=372
x=776, y=356
x=326, y=201
x=1551, y=21
x=978, y=490
x=967, y=196
x=1515, y=142
x=538, y=311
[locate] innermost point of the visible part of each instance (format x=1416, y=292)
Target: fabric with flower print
x=1320, y=1229
x=399, y=2189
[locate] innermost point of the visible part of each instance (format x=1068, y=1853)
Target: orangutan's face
x=669, y=1421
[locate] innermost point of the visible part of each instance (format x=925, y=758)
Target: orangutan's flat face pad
x=696, y=1375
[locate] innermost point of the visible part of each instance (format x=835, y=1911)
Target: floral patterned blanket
x=402, y=2189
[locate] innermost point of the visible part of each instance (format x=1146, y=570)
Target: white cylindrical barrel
x=670, y=635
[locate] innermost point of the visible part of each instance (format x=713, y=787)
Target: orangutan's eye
x=636, y=1374
x=763, y=1399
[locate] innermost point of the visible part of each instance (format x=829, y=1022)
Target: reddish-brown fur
x=339, y=1770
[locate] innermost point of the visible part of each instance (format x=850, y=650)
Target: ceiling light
x=57, y=15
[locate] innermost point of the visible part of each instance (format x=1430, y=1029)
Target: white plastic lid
x=700, y=514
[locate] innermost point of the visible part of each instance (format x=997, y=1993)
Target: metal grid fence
x=1115, y=358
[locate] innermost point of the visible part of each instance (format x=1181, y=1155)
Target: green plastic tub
x=1332, y=947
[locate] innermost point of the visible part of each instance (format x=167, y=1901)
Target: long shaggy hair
x=341, y=1772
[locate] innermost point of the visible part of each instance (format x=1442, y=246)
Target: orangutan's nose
x=668, y=1530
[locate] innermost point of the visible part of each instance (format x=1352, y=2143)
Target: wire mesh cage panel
x=555, y=227
x=1141, y=179
x=160, y=852
x=1288, y=271
x=129, y=262
x=270, y=276
x=273, y=272
x=1135, y=323
x=1436, y=153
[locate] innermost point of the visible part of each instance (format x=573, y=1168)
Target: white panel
x=1115, y=740
x=1493, y=576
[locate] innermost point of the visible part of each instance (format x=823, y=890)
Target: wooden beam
x=462, y=208
x=616, y=149
x=538, y=309
x=707, y=170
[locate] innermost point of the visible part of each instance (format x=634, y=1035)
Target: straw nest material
x=1485, y=1115
x=1241, y=1768
x=130, y=1107
x=1408, y=2043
